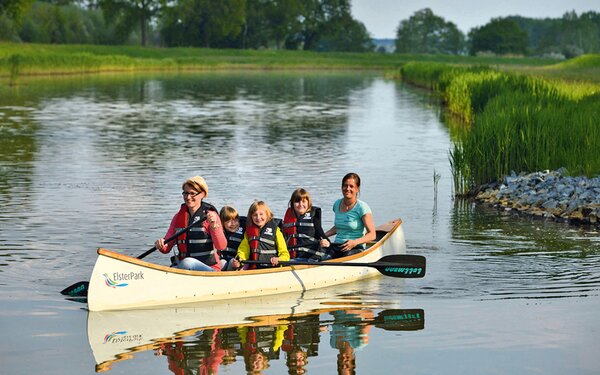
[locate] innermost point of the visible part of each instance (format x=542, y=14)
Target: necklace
x=349, y=206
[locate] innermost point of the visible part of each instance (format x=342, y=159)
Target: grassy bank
x=35, y=59
x=517, y=122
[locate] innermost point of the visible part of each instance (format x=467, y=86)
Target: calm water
x=98, y=162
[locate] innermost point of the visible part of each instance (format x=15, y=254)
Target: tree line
x=569, y=36
x=318, y=25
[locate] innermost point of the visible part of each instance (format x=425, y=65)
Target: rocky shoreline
x=547, y=194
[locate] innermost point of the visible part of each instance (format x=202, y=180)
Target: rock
x=548, y=194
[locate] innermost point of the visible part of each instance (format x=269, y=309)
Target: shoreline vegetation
x=507, y=123
x=507, y=115
x=22, y=60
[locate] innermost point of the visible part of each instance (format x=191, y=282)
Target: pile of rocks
x=548, y=194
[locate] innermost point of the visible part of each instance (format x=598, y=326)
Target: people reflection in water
x=201, y=356
x=298, y=338
x=349, y=333
x=259, y=345
x=301, y=340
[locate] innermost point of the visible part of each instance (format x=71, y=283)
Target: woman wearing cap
x=198, y=248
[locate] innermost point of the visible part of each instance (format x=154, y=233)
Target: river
x=98, y=161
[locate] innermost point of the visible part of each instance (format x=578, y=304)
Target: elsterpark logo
x=117, y=277
x=110, y=337
x=120, y=336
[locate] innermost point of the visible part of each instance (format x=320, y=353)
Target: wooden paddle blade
x=400, y=320
x=401, y=265
x=79, y=289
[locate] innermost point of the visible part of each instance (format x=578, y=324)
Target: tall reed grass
x=514, y=122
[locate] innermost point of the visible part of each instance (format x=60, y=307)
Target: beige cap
x=197, y=183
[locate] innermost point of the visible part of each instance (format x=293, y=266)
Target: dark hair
x=351, y=175
x=298, y=195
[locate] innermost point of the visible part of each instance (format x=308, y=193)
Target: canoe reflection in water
x=204, y=338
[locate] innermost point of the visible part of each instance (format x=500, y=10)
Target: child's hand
x=325, y=243
x=274, y=261
x=236, y=263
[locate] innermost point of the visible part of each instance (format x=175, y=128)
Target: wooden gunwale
x=389, y=227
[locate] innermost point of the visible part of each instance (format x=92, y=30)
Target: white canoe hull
x=121, y=282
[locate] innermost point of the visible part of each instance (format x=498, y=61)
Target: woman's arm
x=160, y=243
x=215, y=229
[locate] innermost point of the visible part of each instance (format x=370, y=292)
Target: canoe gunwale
x=389, y=227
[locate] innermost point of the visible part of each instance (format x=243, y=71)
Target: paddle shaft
x=398, y=265
x=174, y=236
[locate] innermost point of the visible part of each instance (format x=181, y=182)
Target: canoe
x=120, y=282
x=116, y=336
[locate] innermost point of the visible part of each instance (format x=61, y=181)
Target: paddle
x=80, y=288
x=400, y=320
x=397, y=265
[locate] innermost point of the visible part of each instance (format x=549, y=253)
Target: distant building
x=384, y=45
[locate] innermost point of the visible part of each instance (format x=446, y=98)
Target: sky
x=382, y=17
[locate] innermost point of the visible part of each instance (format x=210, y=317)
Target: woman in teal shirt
x=353, y=225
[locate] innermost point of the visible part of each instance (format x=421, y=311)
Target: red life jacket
x=263, y=242
x=199, y=243
x=289, y=230
x=300, y=233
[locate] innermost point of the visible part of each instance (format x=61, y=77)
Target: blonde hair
x=197, y=183
x=298, y=195
x=228, y=213
x=256, y=205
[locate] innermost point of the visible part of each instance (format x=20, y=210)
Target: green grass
x=517, y=122
x=36, y=59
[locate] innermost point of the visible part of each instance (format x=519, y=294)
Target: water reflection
x=249, y=336
x=512, y=257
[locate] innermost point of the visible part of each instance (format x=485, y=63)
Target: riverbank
x=19, y=60
x=547, y=194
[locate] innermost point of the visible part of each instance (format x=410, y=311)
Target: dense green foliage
x=500, y=36
x=131, y=15
x=515, y=122
x=424, y=32
x=570, y=36
x=317, y=25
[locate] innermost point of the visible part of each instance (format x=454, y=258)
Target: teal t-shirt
x=349, y=225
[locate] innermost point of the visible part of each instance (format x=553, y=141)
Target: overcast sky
x=382, y=17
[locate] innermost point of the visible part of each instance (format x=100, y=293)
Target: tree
x=345, y=35
x=572, y=35
x=500, y=36
x=204, y=23
x=424, y=32
x=13, y=9
x=130, y=14
x=328, y=25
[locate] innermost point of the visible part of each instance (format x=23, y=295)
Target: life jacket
x=288, y=339
x=175, y=357
x=264, y=339
x=234, y=239
x=263, y=243
x=300, y=233
x=197, y=242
